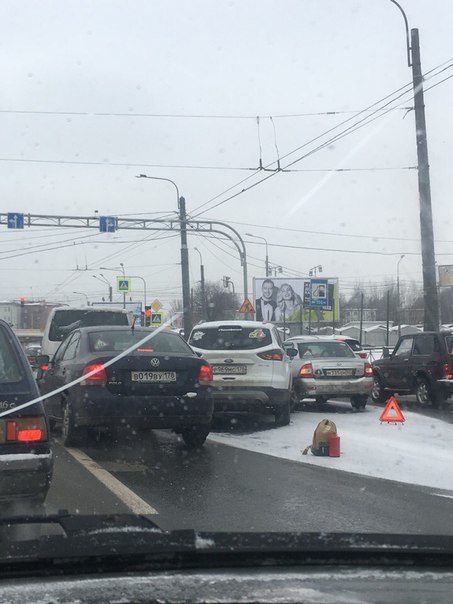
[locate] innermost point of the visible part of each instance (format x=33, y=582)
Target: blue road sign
x=319, y=293
x=123, y=285
x=15, y=220
x=107, y=224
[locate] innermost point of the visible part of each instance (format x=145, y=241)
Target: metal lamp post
x=202, y=283
x=187, y=310
x=83, y=294
x=398, y=301
x=430, y=294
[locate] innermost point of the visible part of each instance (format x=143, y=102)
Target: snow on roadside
x=417, y=452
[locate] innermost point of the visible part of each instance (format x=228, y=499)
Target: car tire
x=359, y=401
x=294, y=400
x=70, y=433
x=377, y=392
x=195, y=437
x=424, y=393
x=283, y=414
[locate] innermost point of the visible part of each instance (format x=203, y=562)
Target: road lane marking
x=128, y=497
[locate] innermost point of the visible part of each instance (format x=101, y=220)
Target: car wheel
x=424, y=393
x=359, y=401
x=195, y=437
x=283, y=414
x=377, y=392
x=70, y=433
x=294, y=400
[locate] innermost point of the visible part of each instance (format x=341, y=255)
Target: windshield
x=66, y=320
x=230, y=337
x=324, y=349
x=214, y=193
x=120, y=341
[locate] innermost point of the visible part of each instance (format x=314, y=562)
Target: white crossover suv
x=251, y=370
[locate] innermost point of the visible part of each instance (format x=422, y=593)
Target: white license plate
x=161, y=377
x=338, y=372
x=229, y=369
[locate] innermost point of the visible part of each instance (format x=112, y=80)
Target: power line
x=370, y=107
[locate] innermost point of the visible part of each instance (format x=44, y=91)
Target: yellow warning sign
x=247, y=307
x=156, y=305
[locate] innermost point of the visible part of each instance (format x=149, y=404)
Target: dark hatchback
x=26, y=459
x=160, y=383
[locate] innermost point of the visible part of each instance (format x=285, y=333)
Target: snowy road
x=418, y=452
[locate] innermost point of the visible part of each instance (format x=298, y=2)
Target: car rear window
x=324, y=349
x=10, y=368
x=117, y=341
x=230, y=338
x=65, y=320
x=354, y=345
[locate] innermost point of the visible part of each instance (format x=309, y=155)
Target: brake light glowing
x=205, y=374
x=271, y=355
x=448, y=371
x=368, y=369
x=145, y=349
x=306, y=371
x=96, y=375
x=29, y=435
x=44, y=367
x=26, y=429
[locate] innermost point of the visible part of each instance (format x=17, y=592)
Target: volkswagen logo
x=229, y=361
x=155, y=362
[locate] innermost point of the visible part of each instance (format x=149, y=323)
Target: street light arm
x=406, y=24
x=161, y=178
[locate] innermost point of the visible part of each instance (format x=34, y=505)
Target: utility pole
x=361, y=318
x=203, y=293
x=430, y=296
x=187, y=310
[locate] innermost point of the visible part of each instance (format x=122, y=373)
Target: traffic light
x=147, y=316
x=22, y=301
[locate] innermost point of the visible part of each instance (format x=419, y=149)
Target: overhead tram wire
x=351, y=129
x=407, y=86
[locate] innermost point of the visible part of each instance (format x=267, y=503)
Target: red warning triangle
x=392, y=412
x=247, y=307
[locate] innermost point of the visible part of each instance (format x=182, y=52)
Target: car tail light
x=448, y=371
x=205, y=374
x=271, y=355
x=368, y=369
x=44, y=367
x=26, y=429
x=145, y=349
x=306, y=371
x=98, y=375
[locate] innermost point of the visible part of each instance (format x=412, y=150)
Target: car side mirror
x=291, y=352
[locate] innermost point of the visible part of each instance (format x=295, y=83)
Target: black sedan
x=26, y=460
x=122, y=380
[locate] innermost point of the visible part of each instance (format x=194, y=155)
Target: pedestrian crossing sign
x=123, y=285
x=157, y=319
x=246, y=307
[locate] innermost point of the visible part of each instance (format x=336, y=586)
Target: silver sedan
x=329, y=369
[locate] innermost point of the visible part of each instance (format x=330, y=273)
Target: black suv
x=420, y=363
x=26, y=459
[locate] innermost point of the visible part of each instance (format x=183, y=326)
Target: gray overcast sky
x=217, y=58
